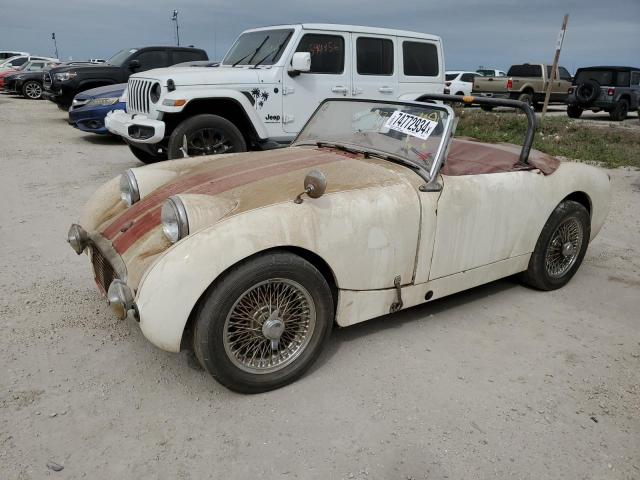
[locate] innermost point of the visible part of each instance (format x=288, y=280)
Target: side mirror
x=133, y=64
x=315, y=184
x=300, y=63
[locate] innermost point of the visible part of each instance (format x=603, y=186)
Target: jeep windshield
x=263, y=46
x=411, y=133
x=118, y=59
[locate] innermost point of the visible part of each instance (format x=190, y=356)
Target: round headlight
x=129, y=191
x=155, y=92
x=77, y=238
x=175, y=224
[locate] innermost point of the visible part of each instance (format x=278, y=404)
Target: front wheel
x=264, y=323
x=32, y=90
x=620, y=111
x=205, y=135
x=145, y=156
x=560, y=248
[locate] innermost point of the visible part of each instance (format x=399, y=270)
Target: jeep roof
x=351, y=28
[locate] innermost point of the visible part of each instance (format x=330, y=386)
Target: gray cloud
x=475, y=32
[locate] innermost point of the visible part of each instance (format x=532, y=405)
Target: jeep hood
x=213, y=188
x=190, y=76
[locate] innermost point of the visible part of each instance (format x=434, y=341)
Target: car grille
x=138, y=95
x=102, y=270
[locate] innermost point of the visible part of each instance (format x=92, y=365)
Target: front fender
x=366, y=236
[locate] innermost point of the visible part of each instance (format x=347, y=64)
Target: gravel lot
x=498, y=382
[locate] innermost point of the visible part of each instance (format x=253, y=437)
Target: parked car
x=28, y=81
x=526, y=83
x=16, y=61
x=251, y=258
x=4, y=54
x=65, y=82
x=489, y=72
x=89, y=108
x=459, y=83
x=267, y=86
x=613, y=89
x=5, y=73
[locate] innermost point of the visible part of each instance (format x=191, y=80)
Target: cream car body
x=379, y=234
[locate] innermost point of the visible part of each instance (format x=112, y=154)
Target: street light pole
x=174, y=18
x=55, y=44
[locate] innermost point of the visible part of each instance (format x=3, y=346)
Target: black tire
x=587, y=92
x=620, y=111
x=486, y=108
x=574, y=111
x=145, y=156
x=219, y=301
x=32, y=90
x=204, y=136
x=568, y=214
x=527, y=98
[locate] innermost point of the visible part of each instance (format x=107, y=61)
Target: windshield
x=119, y=58
x=252, y=47
x=410, y=132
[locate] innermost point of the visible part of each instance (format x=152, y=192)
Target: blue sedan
x=89, y=108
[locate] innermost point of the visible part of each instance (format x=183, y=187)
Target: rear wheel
x=145, y=156
x=574, y=111
x=620, y=111
x=526, y=98
x=32, y=90
x=264, y=324
x=205, y=135
x=560, y=248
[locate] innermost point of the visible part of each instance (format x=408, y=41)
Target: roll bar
x=494, y=102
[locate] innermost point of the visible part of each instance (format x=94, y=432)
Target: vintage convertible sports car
x=250, y=258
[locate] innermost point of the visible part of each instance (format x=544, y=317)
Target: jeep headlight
x=103, y=101
x=129, y=191
x=173, y=216
x=65, y=76
x=156, y=91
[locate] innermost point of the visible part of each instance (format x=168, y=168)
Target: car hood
x=186, y=76
x=103, y=92
x=213, y=188
x=98, y=68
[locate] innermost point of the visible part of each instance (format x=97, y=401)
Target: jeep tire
x=205, y=135
x=620, y=111
x=574, y=111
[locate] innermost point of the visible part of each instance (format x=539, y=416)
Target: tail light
x=611, y=92
x=509, y=84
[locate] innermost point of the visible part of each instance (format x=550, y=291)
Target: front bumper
x=135, y=128
x=89, y=118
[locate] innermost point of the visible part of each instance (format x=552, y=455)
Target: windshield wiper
x=337, y=146
x=274, y=54
x=254, y=53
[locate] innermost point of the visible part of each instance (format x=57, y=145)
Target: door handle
x=340, y=89
x=385, y=90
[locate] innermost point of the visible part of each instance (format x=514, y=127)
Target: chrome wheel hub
x=564, y=248
x=269, y=326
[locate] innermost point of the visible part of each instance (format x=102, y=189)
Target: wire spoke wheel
x=208, y=141
x=564, y=247
x=269, y=326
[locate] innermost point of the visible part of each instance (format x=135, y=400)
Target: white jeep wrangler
x=268, y=85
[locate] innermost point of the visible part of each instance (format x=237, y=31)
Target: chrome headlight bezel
x=173, y=216
x=129, y=191
x=155, y=93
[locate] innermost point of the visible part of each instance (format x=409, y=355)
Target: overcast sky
x=493, y=33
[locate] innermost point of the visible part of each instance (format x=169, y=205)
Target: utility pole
x=554, y=68
x=174, y=18
x=55, y=44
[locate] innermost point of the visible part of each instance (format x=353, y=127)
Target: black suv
x=61, y=84
x=613, y=89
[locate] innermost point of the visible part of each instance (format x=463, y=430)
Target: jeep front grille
x=138, y=95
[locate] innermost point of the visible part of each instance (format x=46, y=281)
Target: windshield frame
x=286, y=30
x=430, y=175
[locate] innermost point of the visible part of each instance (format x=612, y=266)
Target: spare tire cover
x=588, y=91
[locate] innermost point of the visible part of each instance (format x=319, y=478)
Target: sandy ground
x=501, y=382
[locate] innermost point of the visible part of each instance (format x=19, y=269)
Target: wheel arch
x=312, y=257
x=582, y=198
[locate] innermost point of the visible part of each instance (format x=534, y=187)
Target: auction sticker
x=411, y=124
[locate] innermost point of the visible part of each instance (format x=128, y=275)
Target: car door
x=466, y=81
x=374, y=68
x=483, y=219
x=330, y=76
